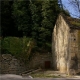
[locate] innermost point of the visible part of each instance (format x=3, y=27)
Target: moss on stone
x=75, y=23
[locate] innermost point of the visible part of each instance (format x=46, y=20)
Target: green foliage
x=36, y=19
x=31, y=18
x=35, y=8
x=19, y=47
x=50, y=11
x=21, y=15
x=7, y=24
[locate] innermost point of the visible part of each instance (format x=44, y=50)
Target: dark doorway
x=47, y=64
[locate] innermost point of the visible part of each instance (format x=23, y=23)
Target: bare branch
x=76, y=5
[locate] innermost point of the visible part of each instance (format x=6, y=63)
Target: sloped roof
x=73, y=23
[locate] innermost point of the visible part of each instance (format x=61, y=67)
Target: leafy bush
x=19, y=47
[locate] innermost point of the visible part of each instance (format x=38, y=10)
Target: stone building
x=66, y=44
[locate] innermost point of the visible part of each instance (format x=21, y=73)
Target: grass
x=44, y=75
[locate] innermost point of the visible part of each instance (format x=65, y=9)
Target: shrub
x=19, y=47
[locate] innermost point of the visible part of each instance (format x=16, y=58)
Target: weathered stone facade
x=60, y=44
x=39, y=59
x=65, y=48
x=78, y=49
x=10, y=65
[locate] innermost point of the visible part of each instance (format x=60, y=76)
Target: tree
x=35, y=16
x=34, y=19
x=60, y=4
x=22, y=17
x=62, y=8
x=7, y=24
x=50, y=10
x=76, y=5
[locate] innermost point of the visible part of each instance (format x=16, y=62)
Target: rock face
x=10, y=65
x=65, y=48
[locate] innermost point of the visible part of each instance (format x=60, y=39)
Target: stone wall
x=73, y=49
x=60, y=45
x=79, y=49
x=39, y=59
x=10, y=65
x=65, y=47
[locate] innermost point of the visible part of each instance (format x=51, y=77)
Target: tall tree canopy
x=7, y=24
x=34, y=19
x=22, y=17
